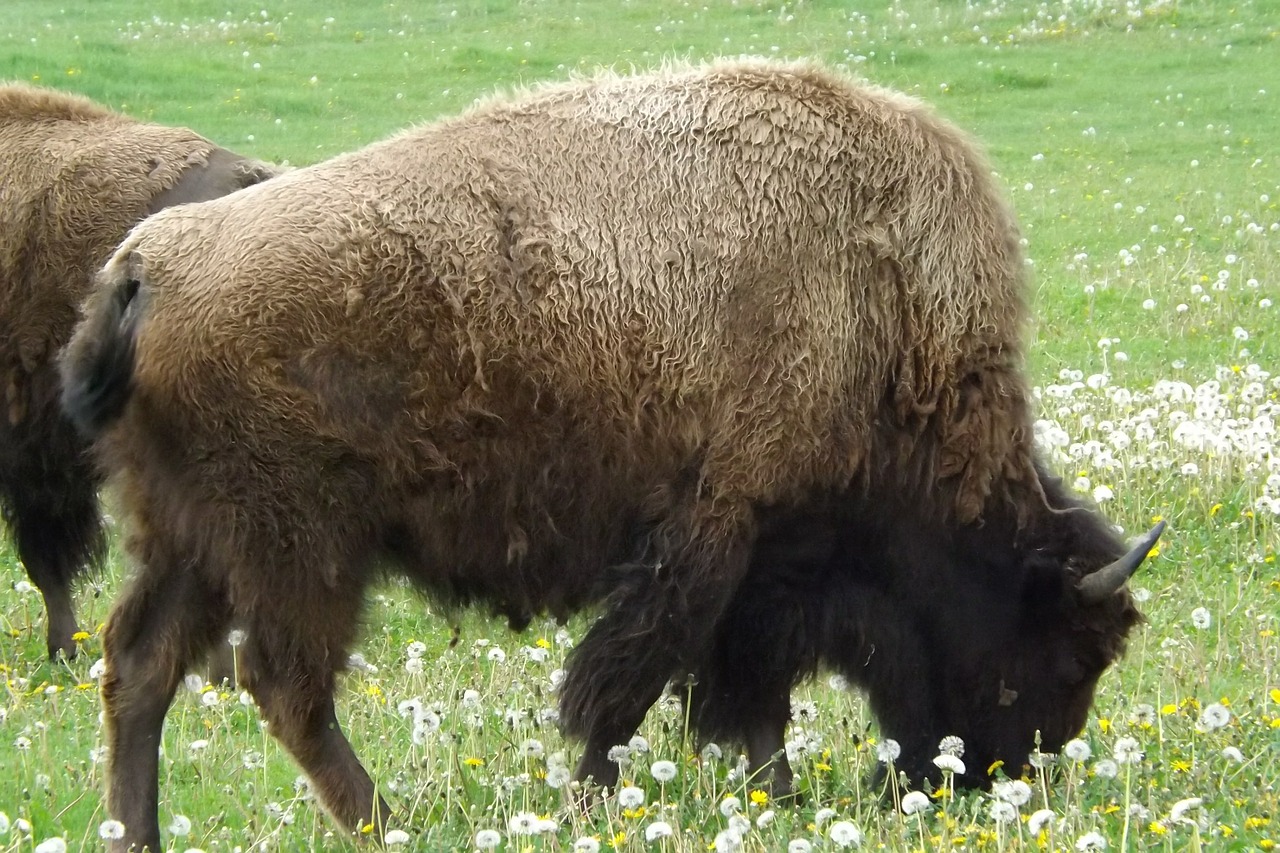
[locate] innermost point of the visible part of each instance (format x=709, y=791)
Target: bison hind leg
x=293, y=649
x=57, y=536
x=166, y=620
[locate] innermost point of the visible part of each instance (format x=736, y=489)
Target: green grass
x=1140, y=152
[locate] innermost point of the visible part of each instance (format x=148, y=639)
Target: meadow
x=1138, y=143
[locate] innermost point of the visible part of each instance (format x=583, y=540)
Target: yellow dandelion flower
x=367, y=829
x=474, y=762
x=1157, y=828
x=759, y=797
x=80, y=636
x=1226, y=831
x=543, y=643
x=618, y=839
x=1214, y=510
x=1181, y=766
x=1256, y=822
x=1275, y=695
x=995, y=765
x=85, y=685
x=1104, y=725
x=825, y=768
x=1167, y=709
x=1266, y=844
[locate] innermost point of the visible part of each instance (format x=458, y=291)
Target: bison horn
x=1106, y=581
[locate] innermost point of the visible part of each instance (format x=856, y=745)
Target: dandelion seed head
x=1003, y=812
x=888, y=750
x=1077, y=750
x=1091, y=841
x=663, y=771
x=844, y=834
x=1040, y=820
x=915, y=801
x=949, y=764
x=730, y=806
x=657, y=830
x=111, y=830
x=1215, y=716
x=396, y=837
x=631, y=797
x=488, y=839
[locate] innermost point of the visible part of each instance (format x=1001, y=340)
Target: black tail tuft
x=97, y=366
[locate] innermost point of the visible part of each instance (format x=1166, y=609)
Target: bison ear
x=1100, y=585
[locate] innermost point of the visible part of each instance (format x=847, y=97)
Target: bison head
x=995, y=632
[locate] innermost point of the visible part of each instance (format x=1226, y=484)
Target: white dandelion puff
x=730, y=806
x=844, y=834
x=1091, y=841
x=1077, y=750
x=488, y=839
x=1040, y=820
x=1214, y=716
x=657, y=830
x=888, y=750
x=631, y=797
x=1178, y=813
x=1002, y=812
x=663, y=771
x=915, y=801
x=111, y=830
x=949, y=764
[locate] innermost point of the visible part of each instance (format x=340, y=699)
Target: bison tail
x=97, y=366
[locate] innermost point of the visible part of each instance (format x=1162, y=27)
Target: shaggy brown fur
x=560, y=349
x=74, y=178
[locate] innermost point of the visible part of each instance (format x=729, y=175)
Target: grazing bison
x=579, y=348
x=74, y=178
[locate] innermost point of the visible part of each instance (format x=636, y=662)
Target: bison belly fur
x=668, y=345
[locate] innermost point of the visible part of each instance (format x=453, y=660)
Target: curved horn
x=1097, y=587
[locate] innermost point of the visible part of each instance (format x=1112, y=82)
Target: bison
x=687, y=346
x=74, y=178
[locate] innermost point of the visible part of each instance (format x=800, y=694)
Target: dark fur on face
x=974, y=630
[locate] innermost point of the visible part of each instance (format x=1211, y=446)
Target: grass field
x=1138, y=142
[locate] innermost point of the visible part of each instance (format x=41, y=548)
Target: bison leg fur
x=658, y=626
x=56, y=544
x=164, y=622
x=290, y=668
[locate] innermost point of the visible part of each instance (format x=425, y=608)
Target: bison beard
x=709, y=347
x=76, y=178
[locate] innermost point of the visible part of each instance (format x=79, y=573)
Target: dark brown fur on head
x=973, y=629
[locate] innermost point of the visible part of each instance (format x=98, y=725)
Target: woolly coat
x=498, y=343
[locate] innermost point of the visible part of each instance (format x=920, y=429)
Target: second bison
x=74, y=178
x=582, y=347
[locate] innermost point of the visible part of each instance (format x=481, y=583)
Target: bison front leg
x=658, y=626
x=164, y=622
